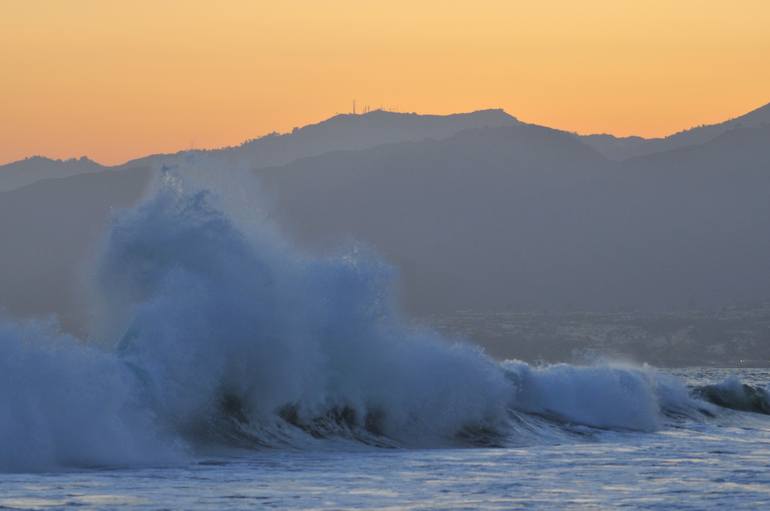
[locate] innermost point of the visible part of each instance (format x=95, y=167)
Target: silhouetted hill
x=353, y=132
x=37, y=168
x=621, y=148
x=342, y=132
x=526, y=218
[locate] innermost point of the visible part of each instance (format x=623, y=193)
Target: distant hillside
x=36, y=168
x=348, y=132
x=526, y=218
x=345, y=132
x=621, y=148
x=353, y=132
x=342, y=132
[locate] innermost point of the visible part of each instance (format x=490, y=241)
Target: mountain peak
x=490, y=115
x=346, y=132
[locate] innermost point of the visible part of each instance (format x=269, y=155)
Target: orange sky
x=116, y=80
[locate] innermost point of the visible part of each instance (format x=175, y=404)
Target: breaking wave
x=208, y=334
x=735, y=395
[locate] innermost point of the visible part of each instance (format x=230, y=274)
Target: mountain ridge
x=622, y=148
x=340, y=132
x=36, y=168
x=361, y=131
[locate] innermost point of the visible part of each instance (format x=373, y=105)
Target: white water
x=717, y=464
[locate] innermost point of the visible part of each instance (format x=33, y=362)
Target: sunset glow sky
x=118, y=80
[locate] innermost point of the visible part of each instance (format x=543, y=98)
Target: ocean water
x=713, y=463
x=224, y=369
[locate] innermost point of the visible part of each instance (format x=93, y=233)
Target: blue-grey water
x=710, y=463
